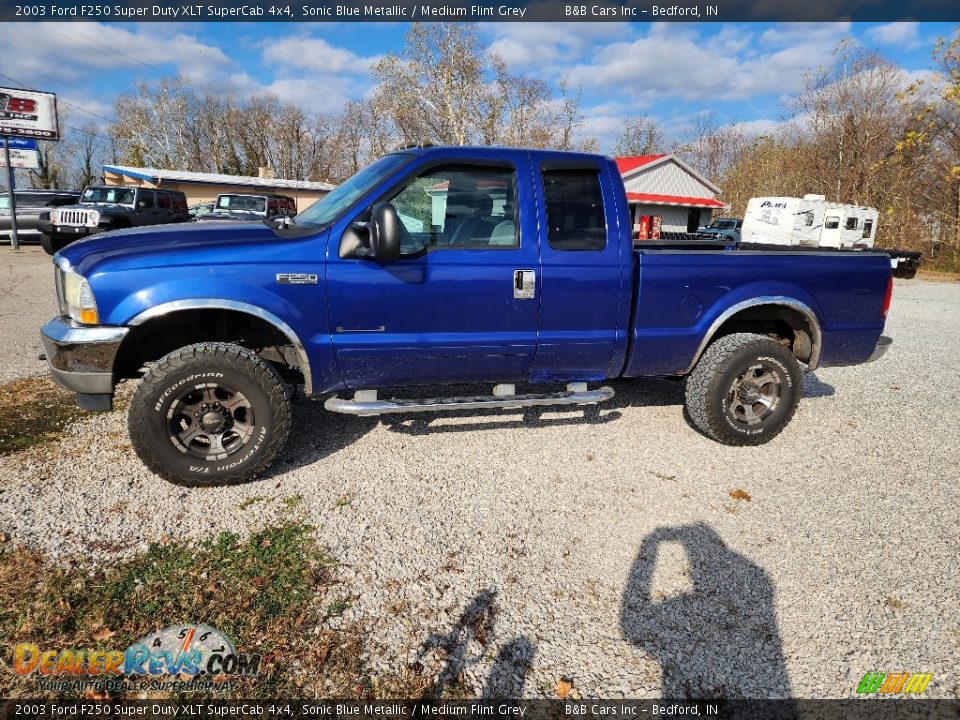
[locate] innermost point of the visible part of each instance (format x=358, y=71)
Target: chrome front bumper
x=81, y=357
x=883, y=344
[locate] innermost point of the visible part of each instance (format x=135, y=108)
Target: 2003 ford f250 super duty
x=439, y=266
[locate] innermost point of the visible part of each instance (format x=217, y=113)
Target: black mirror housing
x=384, y=229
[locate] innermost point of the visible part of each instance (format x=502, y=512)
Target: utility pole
x=14, y=240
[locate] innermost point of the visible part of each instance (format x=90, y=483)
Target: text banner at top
x=480, y=11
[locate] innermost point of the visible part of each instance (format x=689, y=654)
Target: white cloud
x=61, y=50
x=905, y=35
x=673, y=61
x=547, y=46
x=318, y=94
x=316, y=54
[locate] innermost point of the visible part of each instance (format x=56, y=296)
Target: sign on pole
x=23, y=159
x=28, y=114
x=23, y=144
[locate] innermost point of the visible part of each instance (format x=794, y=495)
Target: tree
x=641, y=135
x=445, y=87
x=930, y=150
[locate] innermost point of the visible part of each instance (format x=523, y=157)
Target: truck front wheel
x=209, y=414
x=744, y=390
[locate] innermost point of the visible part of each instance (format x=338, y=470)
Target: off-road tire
x=216, y=366
x=711, y=385
x=52, y=244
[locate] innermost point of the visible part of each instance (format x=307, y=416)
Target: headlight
x=93, y=218
x=78, y=297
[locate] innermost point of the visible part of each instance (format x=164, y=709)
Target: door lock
x=524, y=284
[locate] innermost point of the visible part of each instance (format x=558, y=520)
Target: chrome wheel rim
x=210, y=421
x=755, y=394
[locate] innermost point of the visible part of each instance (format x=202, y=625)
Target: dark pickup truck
x=440, y=266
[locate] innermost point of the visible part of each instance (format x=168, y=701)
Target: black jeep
x=104, y=208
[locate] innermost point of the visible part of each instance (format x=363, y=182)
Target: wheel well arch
x=164, y=328
x=790, y=321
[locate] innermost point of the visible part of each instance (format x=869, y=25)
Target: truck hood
x=164, y=246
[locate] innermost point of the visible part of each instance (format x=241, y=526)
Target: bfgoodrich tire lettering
x=209, y=414
x=744, y=390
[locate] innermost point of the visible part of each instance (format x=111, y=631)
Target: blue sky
x=671, y=72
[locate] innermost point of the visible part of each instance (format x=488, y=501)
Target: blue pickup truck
x=443, y=266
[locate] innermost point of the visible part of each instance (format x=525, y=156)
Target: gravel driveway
x=603, y=547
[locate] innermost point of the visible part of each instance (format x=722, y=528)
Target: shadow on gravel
x=476, y=625
x=316, y=435
x=720, y=640
x=814, y=387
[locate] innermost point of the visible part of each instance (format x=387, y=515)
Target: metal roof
x=155, y=175
x=648, y=199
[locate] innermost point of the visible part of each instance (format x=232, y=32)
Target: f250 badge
x=297, y=278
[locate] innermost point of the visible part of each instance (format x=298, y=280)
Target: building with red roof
x=666, y=195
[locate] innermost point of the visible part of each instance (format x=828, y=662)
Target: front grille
x=72, y=217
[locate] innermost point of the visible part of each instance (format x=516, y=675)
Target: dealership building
x=204, y=187
x=667, y=196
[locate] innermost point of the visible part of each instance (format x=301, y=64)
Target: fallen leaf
x=4, y=537
x=740, y=495
x=104, y=634
x=92, y=694
x=564, y=686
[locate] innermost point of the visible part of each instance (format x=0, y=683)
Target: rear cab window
x=573, y=199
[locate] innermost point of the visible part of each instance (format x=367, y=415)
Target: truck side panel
x=681, y=293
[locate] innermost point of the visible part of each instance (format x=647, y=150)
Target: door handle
x=524, y=284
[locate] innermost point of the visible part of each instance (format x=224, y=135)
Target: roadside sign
x=24, y=159
x=23, y=144
x=28, y=114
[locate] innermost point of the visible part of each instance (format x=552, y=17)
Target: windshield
x=5, y=202
x=119, y=195
x=325, y=211
x=723, y=224
x=249, y=203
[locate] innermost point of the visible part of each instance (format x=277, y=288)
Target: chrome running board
x=365, y=402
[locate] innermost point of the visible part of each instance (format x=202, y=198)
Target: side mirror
x=384, y=227
x=142, y=205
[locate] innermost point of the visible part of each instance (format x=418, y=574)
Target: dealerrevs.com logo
x=894, y=683
x=196, y=655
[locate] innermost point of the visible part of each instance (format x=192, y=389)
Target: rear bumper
x=81, y=359
x=883, y=344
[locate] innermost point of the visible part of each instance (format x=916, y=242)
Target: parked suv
x=250, y=207
x=110, y=208
x=31, y=204
x=722, y=229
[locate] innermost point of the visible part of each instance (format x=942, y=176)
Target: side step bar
x=365, y=402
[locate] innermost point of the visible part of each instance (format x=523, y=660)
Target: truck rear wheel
x=209, y=414
x=744, y=390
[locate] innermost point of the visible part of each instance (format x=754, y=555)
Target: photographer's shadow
x=720, y=639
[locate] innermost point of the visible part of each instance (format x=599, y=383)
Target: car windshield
x=5, y=202
x=119, y=195
x=249, y=203
x=723, y=224
x=325, y=211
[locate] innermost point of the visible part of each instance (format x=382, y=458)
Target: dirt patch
x=34, y=411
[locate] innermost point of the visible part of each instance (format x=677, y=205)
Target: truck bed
x=684, y=290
